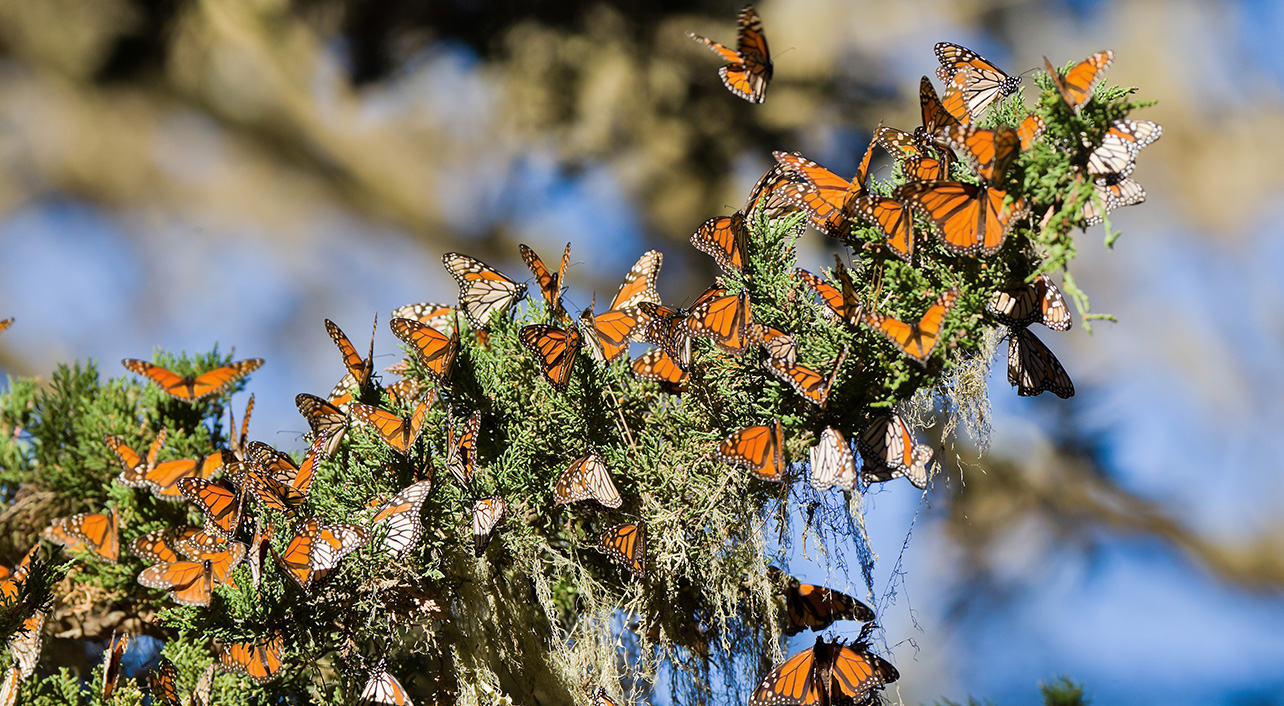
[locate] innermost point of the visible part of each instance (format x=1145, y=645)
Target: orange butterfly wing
x=813, y=385
x=612, y=331
x=970, y=219
x=657, y=366
x=435, y=350
x=757, y=448
x=259, y=659
x=790, y=683
x=555, y=350
x=400, y=433
x=1030, y=130
x=858, y=672
x=725, y=320
x=163, y=479
x=193, y=388
x=828, y=200
x=221, y=504
x=639, y=284
x=626, y=544
x=360, y=368
x=1076, y=85
x=723, y=238
x=188, y=582
x=990, y=152
x=916, y=340
x=894, y=219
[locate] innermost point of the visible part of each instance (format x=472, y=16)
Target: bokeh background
x=192, y=172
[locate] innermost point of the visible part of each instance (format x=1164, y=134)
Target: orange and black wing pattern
x=626, y=544
x=990, y=152
x=188, y=582
x=163, y=680
x=610, y=333
x=814, y=385
x=814, y=607
x=894, y=219
x=758, y=448
x=360, y=368
x=220, y=503
x=749, y=67
x=260, y=659
x=190, y=388
x=1076, y=85
x=916, y=340
x=549, y=284
x=657, y=366
x=436, y=350
x=399, y=433
x=793, y=682
x=830, y=199
x=1037, y=302
x=725, y=320
x=93, y=532
x=969, y=218
x=483, y=290
x=639, y=284
x=723, y=238
x=555, y=351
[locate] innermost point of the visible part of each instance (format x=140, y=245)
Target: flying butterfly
x=399, y=433
x=382, y=689
x=191, y=388
x=359, y=368
x=749, y=67
x=93, y=532
x=626, y=544
x=554, y=349
x=830, y=202
x=401, y=516
x=258, y=658
x=758, y=448
x=1117, y=153
x=657, y=366
x=889, y=451
x=316, y=550
x=723, y=238
x=812, y=384
x=435, y=350
x=220, y=502
x=1039, y=301
x=639, y=284
x=1075, y=85
x=323, y=419
x=1032, y=368
x=973, y=79
x=916, y=340
x=823, y=674
x=461, y=448
x=487, y=514
x=832, y=463
x=549, y=284
x=483, y=290
x=587, y=477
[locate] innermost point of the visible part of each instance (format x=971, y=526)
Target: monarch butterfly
x=461, y=449
x=237, y=443
x=188, y=582
x=639, y=284
x=775, y=343
x=916, y=340
x=24, y=647
x=657, y=366
x=359, y=368
x=893, y=219
x=161, y=478
x=1113, y=192
x=626, y=544
x=190, y=388
x=404, y=391
x=1075, y=85
x=832, y=462
x=435, y=349
x=399, y=433
x=382, y=689
x=812, y=607
x=969, y=218
x=610, y=333
x=401, y=514
x=281, y=476
x=438, y=316
x=10, y=580
x=163, y=680
x=825, y=673
x=1030, y=130
x=134, y=466
x=223, y=559
x=811, y=384
x=723, y=238
x=830, y=201
x=776, y=193
x=323, y=419
x=600, y=698
x=6, y=323
x=161, y=545
x=316, y=550
x=1039, y=301
x=725, y=320
x=487, y=513
x=260, y=545
x=667, y=329
x=90, y=531
x=757, y=448
x=549, y=285
x=555, y=350
x=341, y=395
x=259, y=658
x=1032, y=368
x=841, y=300
x=1117, y=153
x=218, y=500
x=990, y=152
x=976, y=80
x=936, y=116
x=889, y=451
x=749, y=68
x=483, y=290
x=587, y=477
x=919, y=160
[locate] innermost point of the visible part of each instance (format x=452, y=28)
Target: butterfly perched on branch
x=827, y=672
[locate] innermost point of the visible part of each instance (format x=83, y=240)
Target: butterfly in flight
x=889, y=451
x=823, y=674
x=749, y=67
x=323, y=419
x=483, y=290
x=832, y=463
x=1032, y=368
x=812, y=607
x=812, y=384
x=461, y=448
x=973, y=81
x=399, y=433
x=626, y=544
x=382, y=689
x=1039, y=301
x=191, y=388
x=554, y=349
x=549, y=284
x=401, y=515
x=6, y=323
x=435, y=350
x=258, y=658
x=656, y=365
x=1076, y=85
x=587, y=477
x=93, y=532
x=758, y=448
x=830, y=200
x=487, y=514
x=916, y=340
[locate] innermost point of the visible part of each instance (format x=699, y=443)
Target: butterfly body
x=192, y=388
x=587, y=478
x=554, y=349
x=401, y=515
x=259, y=658
x=399, y=433
x=626, y=544
x=1033, y=369
x=749, y=66
x=757, y=448
x=483, y=290
x=889, y=451
x=974, y=80
x=823, y=674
